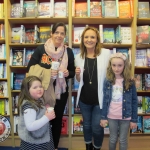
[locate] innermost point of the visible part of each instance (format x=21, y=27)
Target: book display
x=124, y=25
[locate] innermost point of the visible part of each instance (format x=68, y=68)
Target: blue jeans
x=91, y=124
x=120, y=127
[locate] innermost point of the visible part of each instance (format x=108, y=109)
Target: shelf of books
x=123, y=26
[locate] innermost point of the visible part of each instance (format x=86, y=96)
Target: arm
x=30, y=120
x=35, y=58
x=71, y=66
x=105, y=107
x=134, y=104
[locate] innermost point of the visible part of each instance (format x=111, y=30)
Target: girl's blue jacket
x=129, y=104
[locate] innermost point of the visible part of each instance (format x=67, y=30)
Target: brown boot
x=89, y=146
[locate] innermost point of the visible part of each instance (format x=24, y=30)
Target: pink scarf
x=56, y=55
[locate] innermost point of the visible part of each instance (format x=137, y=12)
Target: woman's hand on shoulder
x=50, y=114
x=104, y=123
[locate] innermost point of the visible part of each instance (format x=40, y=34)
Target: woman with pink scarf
x=54, y=50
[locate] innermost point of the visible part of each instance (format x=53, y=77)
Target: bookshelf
x=73, y=142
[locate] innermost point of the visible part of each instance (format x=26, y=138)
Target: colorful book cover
x=140, y=110
x=3, y=89
x=146, y=124
x=44, y=9
x=143, y=10
x=141, y=58
x=139, y=128
x=30, y=8
x=15, y=10
x=60, y=9
x=17, y=80
x=17, y=59
x=36, y=34
x=15, y=34
x=147, y=81
x=81, y=9
x=147, y=104
x=109, y=35
x=148, y=57
x=1, y=70
x=76, y=109
x=138, y=81
x=64, y=129
x=124, y=9
x=95, y=9
x=29, y=35
x=118, y=34
x=77, y=124
x=45, y=33
x=22, y=34
x=28, y=54
x=143, y=34
x=110, y=8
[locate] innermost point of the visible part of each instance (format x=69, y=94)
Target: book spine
x=117, y=9
x=131, y=8
x=101, y=33
x=88, y=8
x=103, y=8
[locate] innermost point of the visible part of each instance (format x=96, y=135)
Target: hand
x=54, y=73
x=133, y=125
x=66, y=73
x=103, y=123
x=78, y=71
x=50, y=115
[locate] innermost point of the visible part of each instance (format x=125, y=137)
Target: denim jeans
x=91, y=124
x=121, y=128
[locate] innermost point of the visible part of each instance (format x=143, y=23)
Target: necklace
x=90, y=76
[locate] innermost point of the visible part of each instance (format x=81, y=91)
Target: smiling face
x=90, y=40
x=58, y=36
x=117, y=65
x=36, y=90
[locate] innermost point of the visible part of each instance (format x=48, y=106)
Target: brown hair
x=24, y=94
x=126, y=74
x=58, y=24
x=97, y=47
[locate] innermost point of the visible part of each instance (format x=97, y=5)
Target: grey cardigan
x=39, y=136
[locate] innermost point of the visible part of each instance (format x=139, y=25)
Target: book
x=1, y=70
x=22, y=34
x=64, y=129
x=110, y=8
x=147, y=104
x=118, y=34
x=81, y=9
x=138, y=81
x=45, y=33
x=16, y=80
x=143, y=34
x=44, y=9
x=36, y=34
x=139, y=128
x=30, y=9
x=126, y=35
x=146, y=124
x=140, y=108
x=2, y=106
x=15, y=34
x=124, y=9
x=17, y=57
x=60, y=9
x=148, y=57
x=2, y=51
x=125, y=51
x=3, y=89
x=29, y=35
x=28, y=54
x=143, y=10
x=109, y=35
x=15, y=10
x=77, y=34
x=77, y=124
x=147, y=81
x=141, y=58
x=95, y=9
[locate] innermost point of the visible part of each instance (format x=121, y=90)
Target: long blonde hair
x=126, y=74
x=83, y=49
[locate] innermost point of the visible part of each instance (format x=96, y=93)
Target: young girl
x=33, y=126
x=119, y=101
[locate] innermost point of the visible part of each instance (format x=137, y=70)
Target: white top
x=102, y=63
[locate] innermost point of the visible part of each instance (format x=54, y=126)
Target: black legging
x=57, y=122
